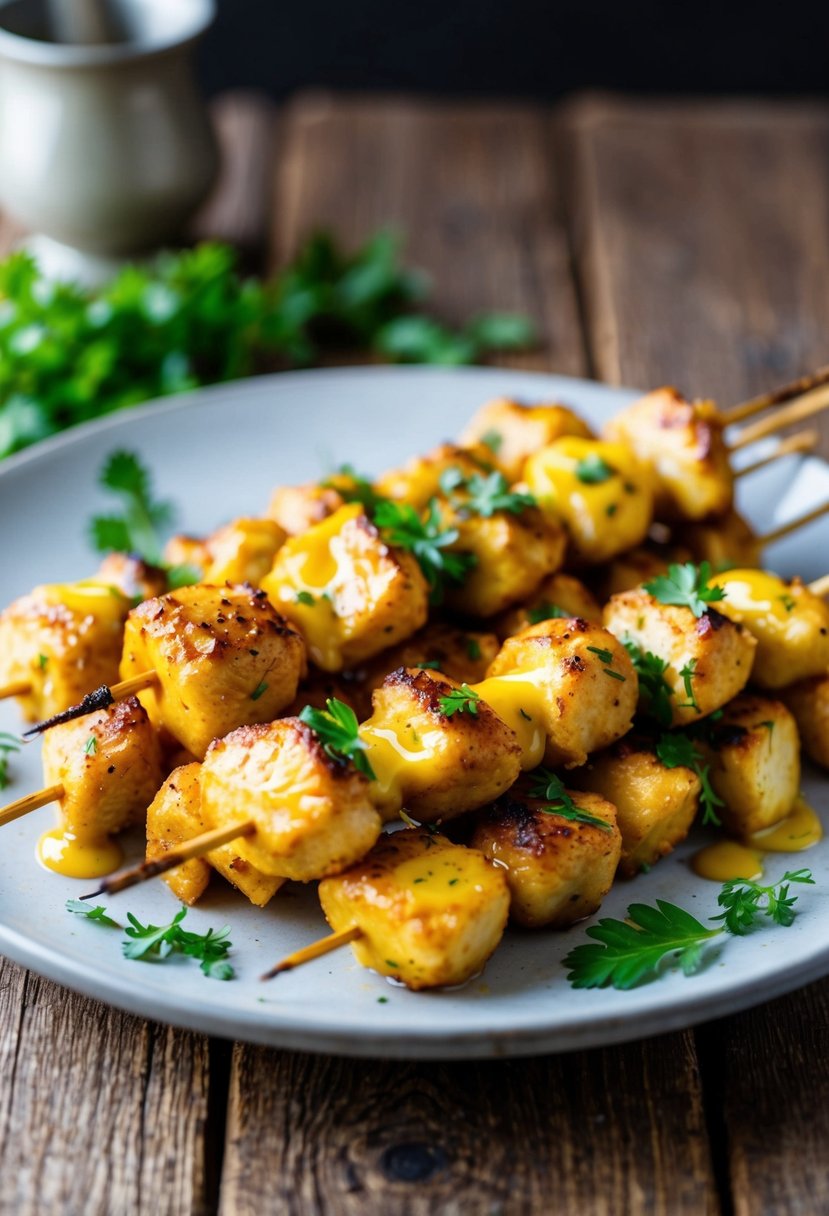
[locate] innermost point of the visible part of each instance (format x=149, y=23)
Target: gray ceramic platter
x=218, y=453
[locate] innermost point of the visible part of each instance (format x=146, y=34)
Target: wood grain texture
x=475, y=188
x=702, y=242
x=589, y=1133
x=100, y=1113
x=472, y=188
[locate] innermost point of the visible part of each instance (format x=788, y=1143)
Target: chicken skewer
x=778, y=396
x=794, y=445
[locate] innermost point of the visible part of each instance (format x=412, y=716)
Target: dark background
x=527, y=48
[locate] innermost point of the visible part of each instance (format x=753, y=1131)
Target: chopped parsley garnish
x=473, y=649
x=675, y=749
x=8, y=744
x=91, y=746
x=687, y=586
x=42, y=661
x=484, y=494
x=493, y=440
x=545, y=611
x=687, y=676
x=305, y=597
x=627, y=952
x=427, y=540
x=337, y=729
x=655, y=692
x=459, y=700
x=547, y=786
x=593, y=470
x=611, y=509
x=788, y=602
x=157, y=942
x=353, y=487
x=606, y=657
x=259, y=690
x=428, y=665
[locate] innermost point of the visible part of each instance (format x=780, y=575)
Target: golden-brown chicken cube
x=512, y=431
x=298, y=508
x=728, y=540
x=682, y=442
x=566, y=687
x=243, y=551
x=223, y=657
x=709, y=658
x=462, y=654
x=558, y=869
x=808, y=700
x=186, y=551
x=62, y=640
x=431, y=912
x=434, y=751
x=791, y=624
x=313, y=815
x=349, y=593
x=655, y=805
x=753, y=753
x=109, y=764
x=419, y=480
x=560, y=595
x=175, y=817
x=134, y=578
x=512, y=552
x=599, y=491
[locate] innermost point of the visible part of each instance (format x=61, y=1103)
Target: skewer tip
x=102, y=890
x=274, y=971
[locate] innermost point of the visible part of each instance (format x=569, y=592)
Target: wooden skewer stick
x=820, y=587
x=197, y=847
x=324, y=946
x=101, y=698
x=794, y=524
x=18, y=688
x=804, y=407
x=803, y=441
x=16, y=810
x=786, y=392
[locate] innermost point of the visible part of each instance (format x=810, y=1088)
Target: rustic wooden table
x=652, y=243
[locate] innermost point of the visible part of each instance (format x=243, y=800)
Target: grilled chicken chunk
x=431, y=912
x=349, y=593
x=808, y=700
x=560, y=595
x=223, y=657
x=419, y=480
x=709, y=659
x=313, y=815
x=174, y=817
x=512, y=432
x=558, y=869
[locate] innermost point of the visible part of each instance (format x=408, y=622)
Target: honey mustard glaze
x=392, y=749
x=520, y=702
x=434, y=876
x=730, y=859
x=73, y=856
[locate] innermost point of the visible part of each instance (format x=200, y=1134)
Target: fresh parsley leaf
x=137, y=529
x=676, y=749
x=687, y=676
x=182, y=575
x=655, y=692
x=547, y=786
x=493, y=440
x=459, y=700
x=593, y=470
x=353, y=486
x=628, y=953
x=91, y=746
x=483, y=494
x=337, y=729
x=97, y=914
x=259, y=690
x=8, y=744
x=305, y=597
x=159, y=942
x=545, y=611
x=402, y=527
x=686, y=585
x=428, y=665
x=745, y=900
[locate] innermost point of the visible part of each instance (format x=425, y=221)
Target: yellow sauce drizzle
x=64, y=853
x=725, y=860
x=437, y=876
x=391, y=753
x=798, y=831
x=519, y=702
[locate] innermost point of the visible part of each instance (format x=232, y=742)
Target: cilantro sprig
x=426, y=538
x=337, y=729
x=687, y=586
x=545, y=785
x=460, y=700
x=137, y=528
x=8, y=744
x=628, y=952
x=158, y=942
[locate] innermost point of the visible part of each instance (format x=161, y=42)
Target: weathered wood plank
x=475, y=188
x=702, y=243
x=704, y=257
x=99, y=1112
x=594, y=1132
x=471, y=188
